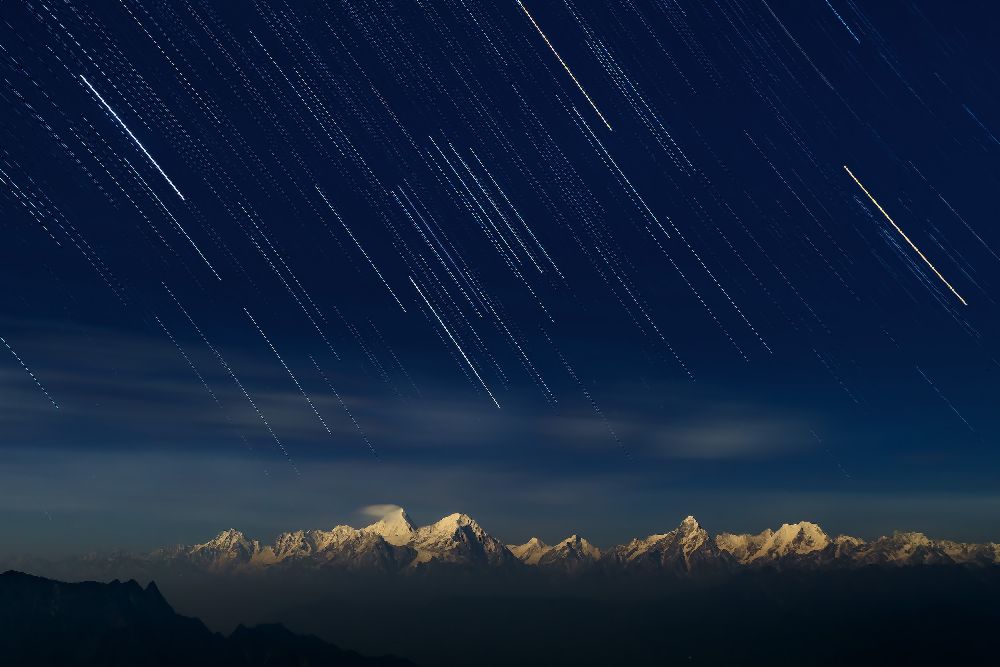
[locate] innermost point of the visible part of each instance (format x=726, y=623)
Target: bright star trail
x=134, y=138
x=455, y=342
x=563, y=63
x=905, y=237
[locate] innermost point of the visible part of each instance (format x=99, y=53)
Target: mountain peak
x=395, y=527
x=791, y=540
x=681, y=550
x=573, y=540
x=531, y=551
x=450, y=525
x=457, y=538
x=808, y=526
x=458, y=520
x=576, y=548
x=228, y=536
x=228, y=541
x=690, y=523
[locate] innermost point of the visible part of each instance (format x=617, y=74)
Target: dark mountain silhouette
x=45, y=622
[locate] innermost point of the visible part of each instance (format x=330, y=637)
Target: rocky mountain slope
x=394, y=544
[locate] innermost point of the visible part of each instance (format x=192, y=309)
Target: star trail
x=556, y=241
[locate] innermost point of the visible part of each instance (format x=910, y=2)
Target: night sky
x=564, y=266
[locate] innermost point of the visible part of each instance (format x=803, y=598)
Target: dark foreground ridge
x=928, y=615
x=45, y=622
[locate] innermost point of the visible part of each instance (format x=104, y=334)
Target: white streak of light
x=290, y=374
x=563, y=63
x=134, y=138
x=349, y=233
x=32, y=375
x=907, y=238
x=459, y=347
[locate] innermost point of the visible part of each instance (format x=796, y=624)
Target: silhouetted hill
x=45, y=622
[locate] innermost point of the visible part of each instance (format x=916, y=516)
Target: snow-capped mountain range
x=395, y=544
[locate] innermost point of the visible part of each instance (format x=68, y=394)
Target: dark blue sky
x=277, y=263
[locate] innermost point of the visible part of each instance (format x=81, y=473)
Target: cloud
x=379, y=511
x=134, y=391
x=734, y=438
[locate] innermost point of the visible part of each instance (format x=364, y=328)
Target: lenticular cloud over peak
x=381, y=511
